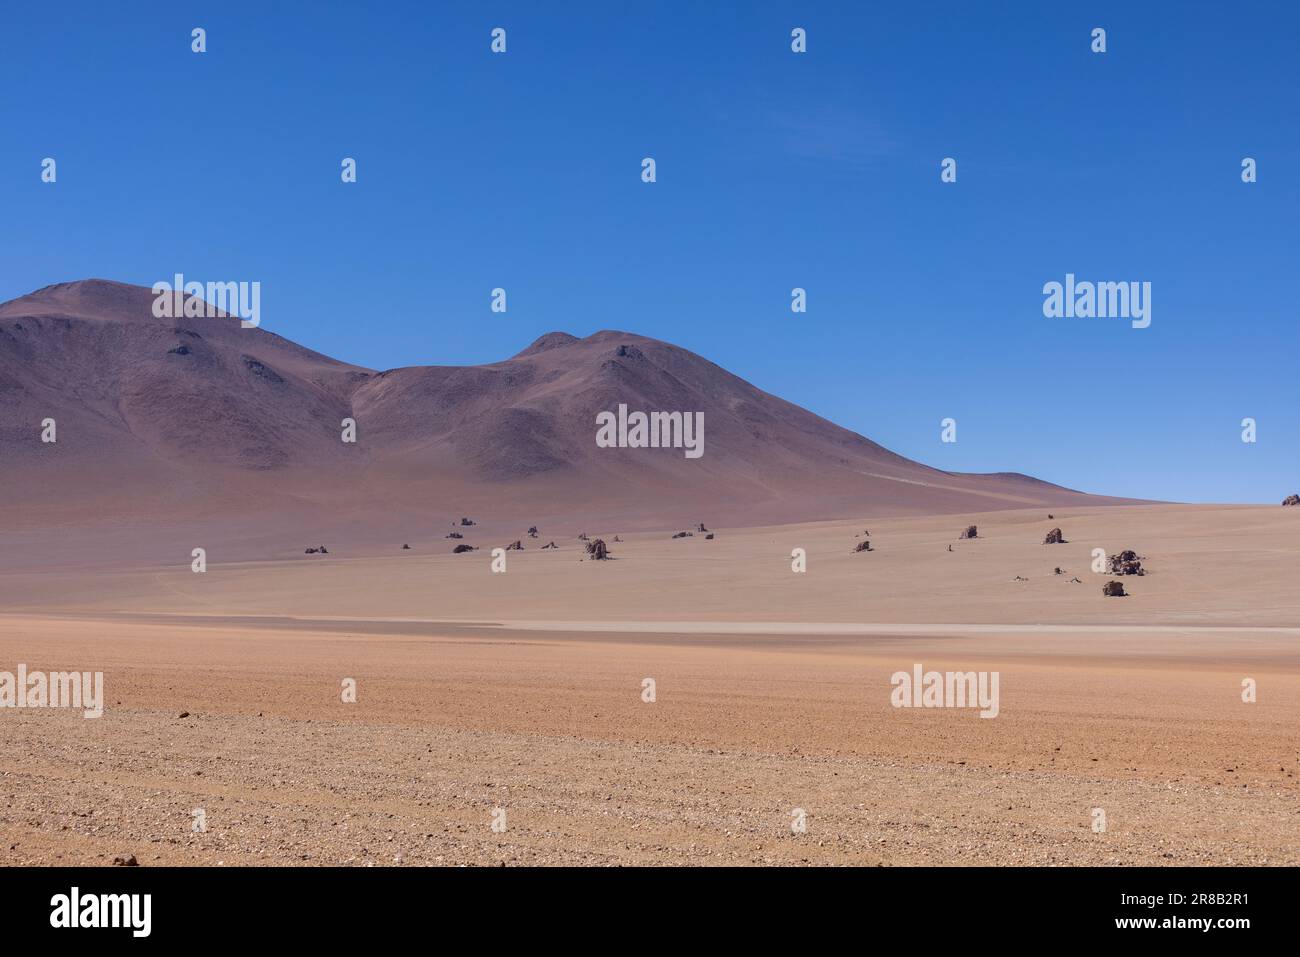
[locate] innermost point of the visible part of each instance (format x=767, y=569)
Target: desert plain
x=517, y=697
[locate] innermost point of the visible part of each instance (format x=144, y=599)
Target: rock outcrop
x=1127, y=562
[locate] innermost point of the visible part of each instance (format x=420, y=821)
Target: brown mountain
x=166, y=420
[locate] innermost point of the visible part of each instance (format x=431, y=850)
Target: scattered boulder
x=1054, y=537
x=707, y=538
x=1291, y=500
x=597, y=550
x=1127, y=562
x=455, y=535
x=582, y=537
x=515, y=546
x=684, y=535
x=700, y=527
x=970, y=532
x=1057, y=570
x=1050, y=516
x=862, y=547
x=617, y=539
x=467, y=521
x=309, y=551
x=462, y=548
x=183, y=714
x=406, y=548
x=128, y=861
x=1021, y=578
x=532, y=531
x=323, y=550
x=549, y=545
x=949, y=548
x=1114, y=590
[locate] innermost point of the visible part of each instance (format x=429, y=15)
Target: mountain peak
x=90, y=298
x=552, y=340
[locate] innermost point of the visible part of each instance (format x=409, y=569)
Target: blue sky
x=775, y=170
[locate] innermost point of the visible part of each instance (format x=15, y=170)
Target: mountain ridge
x=203, y=405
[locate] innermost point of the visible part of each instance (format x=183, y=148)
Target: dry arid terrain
x=522, y=691
x=520, y=697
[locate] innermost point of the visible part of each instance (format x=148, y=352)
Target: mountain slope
x=160, y=417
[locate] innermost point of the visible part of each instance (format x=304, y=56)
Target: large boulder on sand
x=1114, y=590
x=1291, y=500
x=970, y=531
x=1127, y=562
x=1054, y=537
x=597, y=550
x=862, y=547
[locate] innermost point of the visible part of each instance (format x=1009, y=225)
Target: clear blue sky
x=775, y=170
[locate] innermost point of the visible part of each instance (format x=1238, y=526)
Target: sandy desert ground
x=523, y=691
